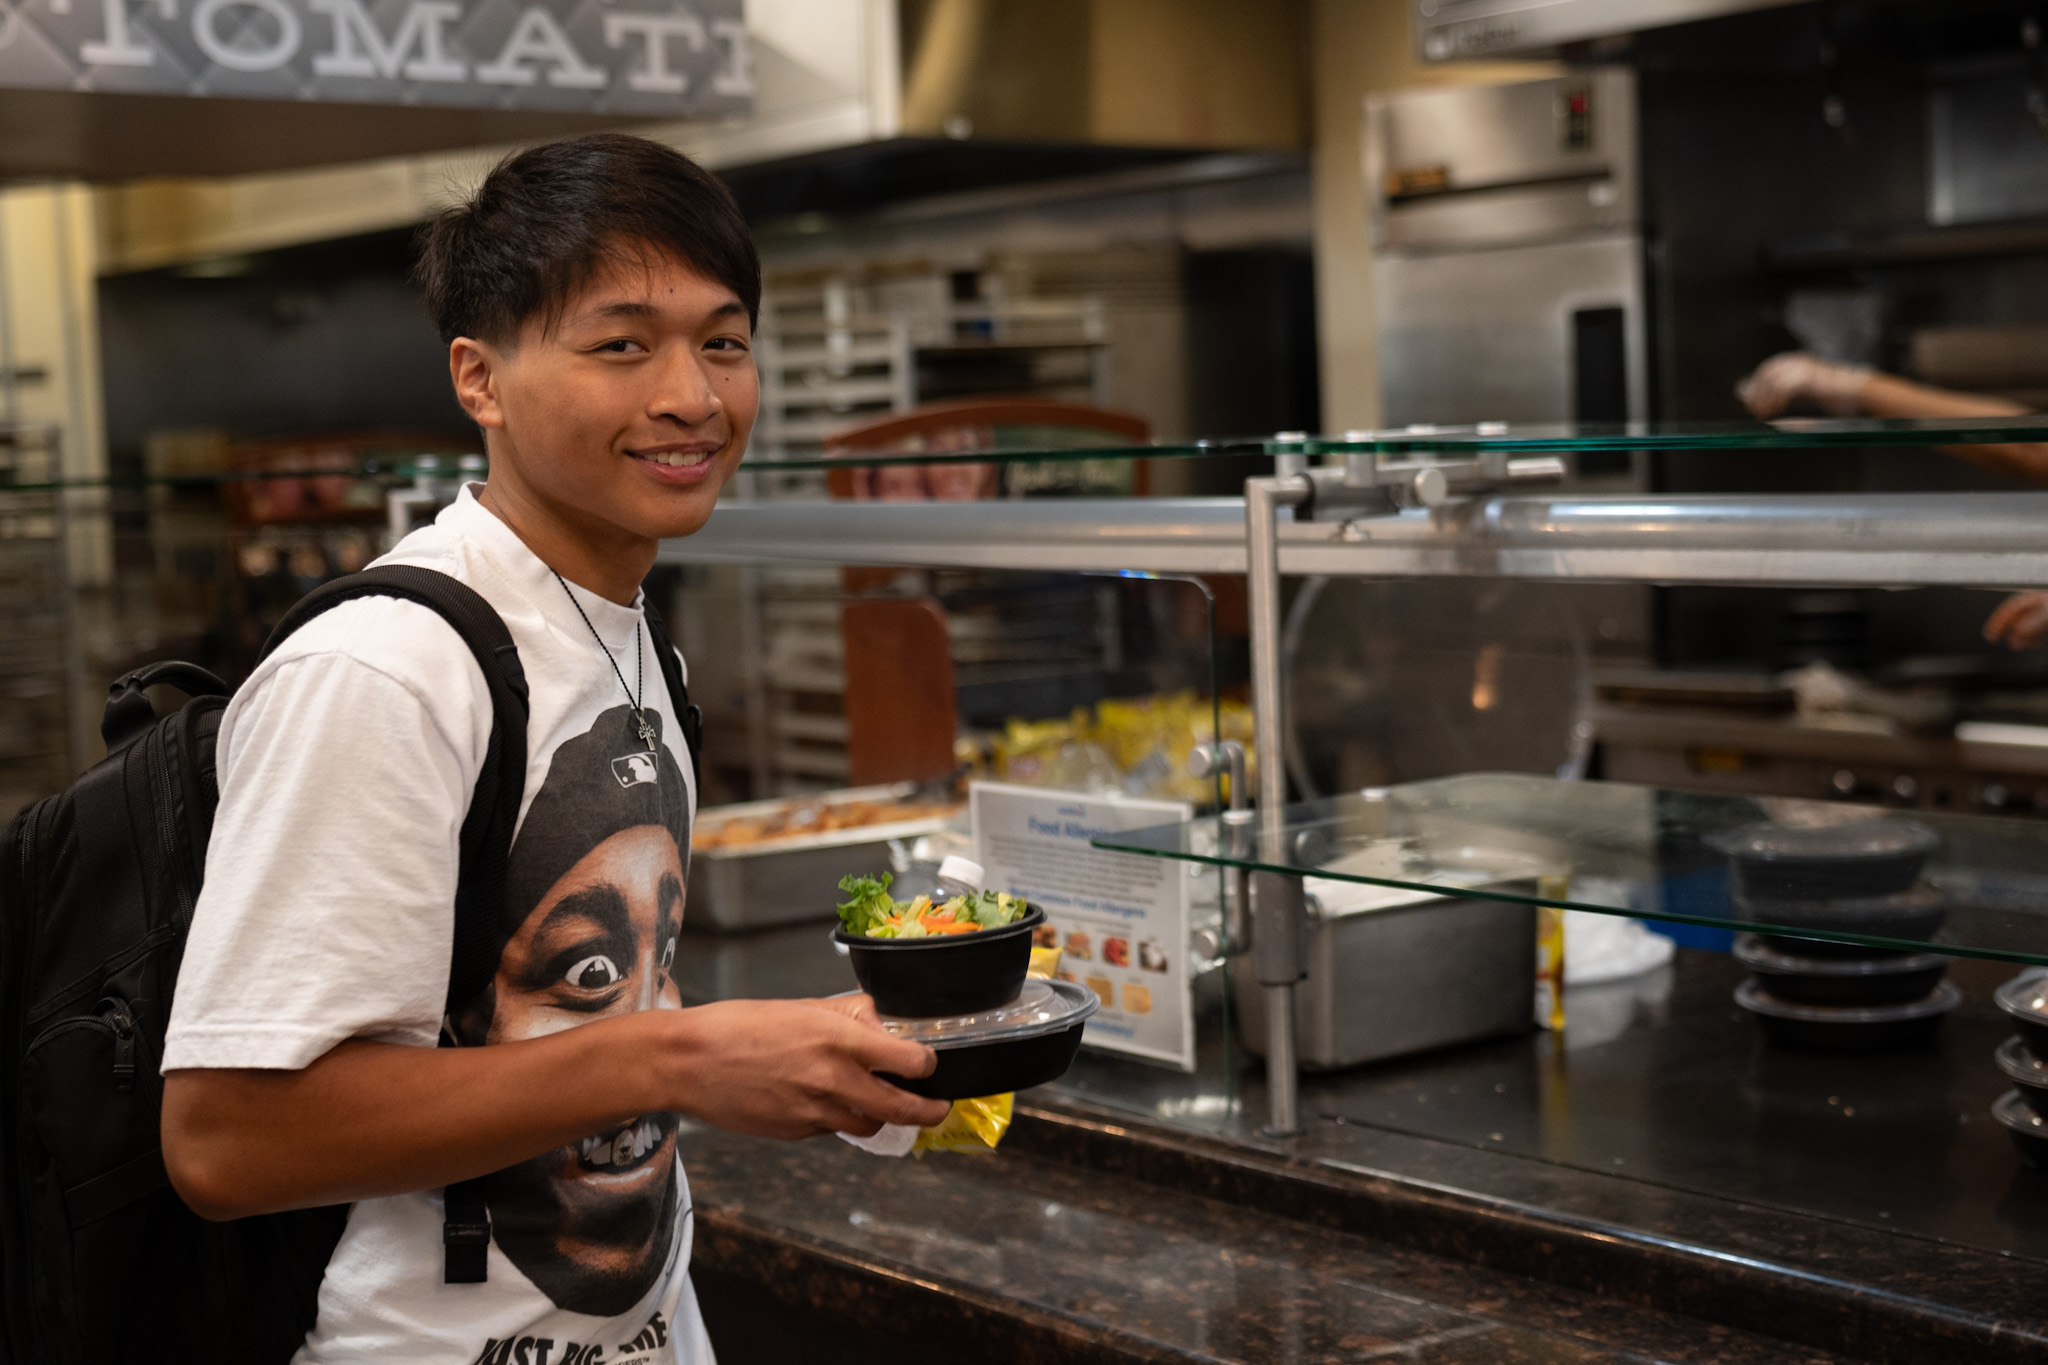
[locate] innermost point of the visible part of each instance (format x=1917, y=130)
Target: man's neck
x=600, y=559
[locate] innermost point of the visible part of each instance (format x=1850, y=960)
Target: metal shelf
x=1989, y=540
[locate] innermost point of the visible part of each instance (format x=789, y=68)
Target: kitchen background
x=1217, y=218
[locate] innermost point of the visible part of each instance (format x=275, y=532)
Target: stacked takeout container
x=969, y=997
x=1858, y=876
x=2024, y=1059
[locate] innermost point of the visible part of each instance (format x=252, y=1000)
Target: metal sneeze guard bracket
x=1354, y=486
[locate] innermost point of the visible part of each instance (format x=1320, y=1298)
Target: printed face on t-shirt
x=599, y=869
x=588, y=1222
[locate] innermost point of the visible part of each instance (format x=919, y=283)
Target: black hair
x=548, y=218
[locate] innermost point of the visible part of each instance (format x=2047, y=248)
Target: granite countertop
x=1014, y=1257
x=1445, y=1208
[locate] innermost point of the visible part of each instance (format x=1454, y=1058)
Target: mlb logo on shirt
x=634, y=770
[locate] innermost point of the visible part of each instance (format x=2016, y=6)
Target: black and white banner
x=659, y=58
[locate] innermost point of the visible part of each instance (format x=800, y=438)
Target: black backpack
x=99, y=1259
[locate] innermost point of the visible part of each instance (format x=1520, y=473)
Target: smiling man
x=598, y=299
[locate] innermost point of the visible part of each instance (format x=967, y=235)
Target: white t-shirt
x=346, y=767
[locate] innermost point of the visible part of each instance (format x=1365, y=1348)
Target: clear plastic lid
x=1041, y=1007
x=2016, y=1061
x=2025, y=996
x=2012, y=1110
x=1757, y=1000
x=1752, y=952
x=1872, y=837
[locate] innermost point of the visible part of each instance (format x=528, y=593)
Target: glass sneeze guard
x=1911, y=881
x=1784, y=434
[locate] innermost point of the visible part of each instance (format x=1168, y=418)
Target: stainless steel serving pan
x=794, y=878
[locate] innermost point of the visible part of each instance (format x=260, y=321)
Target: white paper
x=1122, y=918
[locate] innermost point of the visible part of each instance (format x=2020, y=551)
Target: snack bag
x=973, y=1126
x=978, y=1125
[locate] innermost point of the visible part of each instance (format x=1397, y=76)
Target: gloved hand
x=1797, y=376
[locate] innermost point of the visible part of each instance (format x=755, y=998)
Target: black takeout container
x=1848, y=1028
x=2029, y=1130
x=1914, y=914
x=2025, y=998
x=944, y=976
x=1027, y=1042
x=2028, y=1073
x=1830, y=979
x=1855, y=860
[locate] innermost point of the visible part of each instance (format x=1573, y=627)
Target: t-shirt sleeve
x=327, y=910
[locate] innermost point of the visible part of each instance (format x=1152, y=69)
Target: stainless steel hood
x=1447, y=30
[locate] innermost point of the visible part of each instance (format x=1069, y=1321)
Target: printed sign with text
x=1122, y=919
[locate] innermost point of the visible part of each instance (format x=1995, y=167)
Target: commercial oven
x=1508, y=252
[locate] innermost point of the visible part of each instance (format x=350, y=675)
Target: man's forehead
x=647, y=282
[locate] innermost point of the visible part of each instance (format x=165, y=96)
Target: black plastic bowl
x=1914, y=914
x=1857, y=860
x=994, y=1059
x=2029, y=1130
x=2028, y=1073
x=1848, y=1028
x=928, y=978
x=1887, y=979
x=2025, y=998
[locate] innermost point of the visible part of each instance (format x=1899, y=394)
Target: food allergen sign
x=659, y=58
x=1121, y=919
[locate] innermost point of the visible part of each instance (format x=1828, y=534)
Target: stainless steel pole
x=1277, y=904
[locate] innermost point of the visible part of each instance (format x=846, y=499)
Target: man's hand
x=2020, y=622
x=796, y=1068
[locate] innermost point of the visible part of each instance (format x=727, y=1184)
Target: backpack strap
x=689, y=717
x=486, y=840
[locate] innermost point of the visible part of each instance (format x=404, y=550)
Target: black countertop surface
x=1657, y=1184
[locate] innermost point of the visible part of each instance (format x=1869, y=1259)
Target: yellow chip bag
x=978, y=1125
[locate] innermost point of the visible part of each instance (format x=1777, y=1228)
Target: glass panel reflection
x=1974, y=886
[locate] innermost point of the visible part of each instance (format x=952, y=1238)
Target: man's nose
x=684, y=392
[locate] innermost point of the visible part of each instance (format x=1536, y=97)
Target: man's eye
x=593, y=973
x=620, y=346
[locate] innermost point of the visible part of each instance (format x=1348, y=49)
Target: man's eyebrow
x=624, y=308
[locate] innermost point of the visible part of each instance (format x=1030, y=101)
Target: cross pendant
x=646, y=730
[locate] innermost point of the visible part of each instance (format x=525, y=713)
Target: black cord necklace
x=634, y=693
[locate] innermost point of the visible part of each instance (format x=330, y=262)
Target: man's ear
x=472, y=368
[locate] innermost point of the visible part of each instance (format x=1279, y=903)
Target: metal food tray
x=792, y=879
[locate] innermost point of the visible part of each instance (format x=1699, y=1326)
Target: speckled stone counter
x=1491, y=1231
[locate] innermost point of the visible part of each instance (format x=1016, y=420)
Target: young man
x=598, y=299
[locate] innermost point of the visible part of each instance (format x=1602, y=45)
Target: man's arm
x=372, y=1119
x=1853, y=390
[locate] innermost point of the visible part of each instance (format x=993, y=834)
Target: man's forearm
x=370, y=1119
x=1885, y=395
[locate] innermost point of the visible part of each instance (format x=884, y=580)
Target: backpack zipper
x=113, y=1017
x=166, y=824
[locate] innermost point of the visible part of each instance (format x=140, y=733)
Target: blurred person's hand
x=2020, y=622
x=1800, y=377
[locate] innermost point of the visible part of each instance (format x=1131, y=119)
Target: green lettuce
x=868, y=906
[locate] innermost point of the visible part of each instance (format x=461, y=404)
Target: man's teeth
x=681, y=461
x=623, y=1148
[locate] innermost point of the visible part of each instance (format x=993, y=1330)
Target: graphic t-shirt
x=346, y=764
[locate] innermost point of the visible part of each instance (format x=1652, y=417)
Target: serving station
x=1690, y=1142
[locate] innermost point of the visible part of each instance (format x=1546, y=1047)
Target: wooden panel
x=901, y=715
